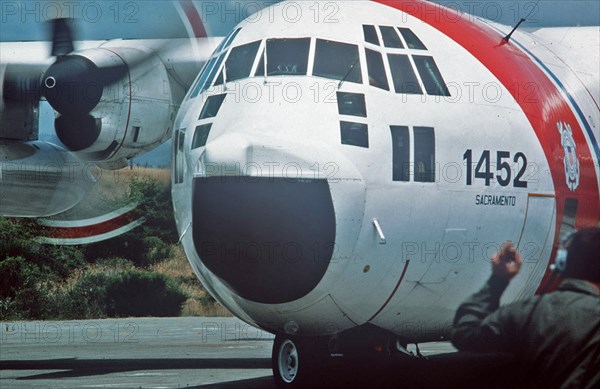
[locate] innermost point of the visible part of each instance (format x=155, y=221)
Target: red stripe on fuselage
x=539, y=98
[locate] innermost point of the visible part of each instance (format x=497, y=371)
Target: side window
x=371, y=35
x=355, y=134
x=352, y=104
x=179, y=159
x=431, y=76
x=201, y=136
x=240, y=61
x=400, y=153
x=377, y=77
x=424, y=154
x=403, y=75
x=391, y=38
x=412, y=41
x=212, y=106
x=338, y=61
x=287, y=57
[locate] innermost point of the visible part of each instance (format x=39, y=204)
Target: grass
x=109, y=193
x=199, y=302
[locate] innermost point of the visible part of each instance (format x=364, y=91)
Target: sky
x=26, y=20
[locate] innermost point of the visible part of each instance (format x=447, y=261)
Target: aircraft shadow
x=450, y=370
x=91, y=367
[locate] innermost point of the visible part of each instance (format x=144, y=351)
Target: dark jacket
x=556, y=334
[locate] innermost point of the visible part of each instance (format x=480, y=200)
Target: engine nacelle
x=132, y=116
x=18, y=121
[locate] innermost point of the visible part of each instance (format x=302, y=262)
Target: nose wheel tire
x=296, y=362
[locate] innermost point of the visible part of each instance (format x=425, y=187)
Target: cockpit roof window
x=338, y=61
x=403, y=75
x=287, y=57
x=412, y=41
x=227, y=41
x=431, y=76
x=240, y=61
x=370, y=34
x=391, y=38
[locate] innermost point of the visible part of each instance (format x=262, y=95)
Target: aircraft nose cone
x=270, y=240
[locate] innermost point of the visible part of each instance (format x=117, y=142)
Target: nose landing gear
x=297, y=362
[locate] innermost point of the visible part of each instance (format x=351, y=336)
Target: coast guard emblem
x=570, y=159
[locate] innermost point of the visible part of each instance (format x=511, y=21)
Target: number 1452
x=502, y=172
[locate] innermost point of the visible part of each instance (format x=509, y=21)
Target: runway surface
x=207, y=353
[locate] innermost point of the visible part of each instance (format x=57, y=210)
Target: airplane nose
x=269, y=239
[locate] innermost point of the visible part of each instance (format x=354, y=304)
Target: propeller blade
x=62, y=37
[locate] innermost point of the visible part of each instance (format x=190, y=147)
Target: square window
x=338, y=61
x=352, y=104
x=287, y=57
x=201, y=136
x=355, y=134
x=400, y=153
x=424, y=154
x=212, y=106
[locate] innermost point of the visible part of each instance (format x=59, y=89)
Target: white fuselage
x=442, y=219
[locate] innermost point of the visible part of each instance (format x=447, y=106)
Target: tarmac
x=202, y=352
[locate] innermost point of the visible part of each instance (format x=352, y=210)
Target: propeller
x=72, y=85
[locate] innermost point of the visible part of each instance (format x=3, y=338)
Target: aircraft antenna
x=507, y=38
x=348, y=72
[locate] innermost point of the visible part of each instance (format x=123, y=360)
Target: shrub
x=122, y=292
x=23, y=289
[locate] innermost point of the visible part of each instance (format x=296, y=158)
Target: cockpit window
x=201, y=136
x=370, y=34
x=212, y=106
x=352, y=104
x=355, y=134
x=287, y=57
x=431, y=76
x=412, y=41
x=240, y=61
x=391, y=38
x=403, y=75
x=338, y=61
x=377, y=77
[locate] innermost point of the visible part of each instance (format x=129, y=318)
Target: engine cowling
x=127, y=118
